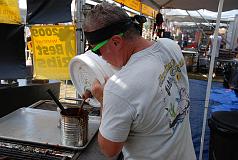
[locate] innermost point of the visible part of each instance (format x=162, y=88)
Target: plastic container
x=85, y=69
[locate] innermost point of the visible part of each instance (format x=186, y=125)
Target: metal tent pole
x=210, y=77
x=205, y=19
x=210, y=24
x=196, y=24
x=79, y=20
x=80, y=5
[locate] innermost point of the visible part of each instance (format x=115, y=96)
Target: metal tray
x=67, y=103
x=38, y=126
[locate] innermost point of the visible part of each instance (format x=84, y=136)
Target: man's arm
x=109, y=148
x=207, y=47
x=208, y=44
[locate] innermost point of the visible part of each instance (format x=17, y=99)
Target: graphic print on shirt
x=183, y=104
x=179, y=107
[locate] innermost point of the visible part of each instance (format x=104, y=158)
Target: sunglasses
x=96, y=49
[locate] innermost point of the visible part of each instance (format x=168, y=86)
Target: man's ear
x=116, y=39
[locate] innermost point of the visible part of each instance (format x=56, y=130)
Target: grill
x=24, y=134
x=10, y=150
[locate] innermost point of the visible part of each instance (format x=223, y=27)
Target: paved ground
x=200, y=76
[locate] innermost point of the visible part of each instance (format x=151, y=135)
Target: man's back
x=148, y=104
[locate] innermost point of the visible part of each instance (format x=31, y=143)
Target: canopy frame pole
x=220, y=6
x=205, y=19
x=196, y=24
x=80, y=4
x=210, y=24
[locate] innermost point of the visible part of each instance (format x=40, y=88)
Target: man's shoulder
x=130, y=78
x=167, y=43
x=167, y=40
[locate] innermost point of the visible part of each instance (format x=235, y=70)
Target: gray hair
x=105, y=14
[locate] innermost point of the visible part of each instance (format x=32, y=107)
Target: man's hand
x=97, y=90
x=87, y=94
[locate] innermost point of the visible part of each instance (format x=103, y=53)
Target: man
x=158, y=25
x=211, y=42
x=145, y=104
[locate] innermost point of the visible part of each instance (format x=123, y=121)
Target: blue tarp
x=221, y=99
x=224, y=96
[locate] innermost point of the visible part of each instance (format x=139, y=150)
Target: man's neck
x=134, y=46
x=140, y=44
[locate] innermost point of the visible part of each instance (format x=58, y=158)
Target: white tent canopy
x=211, y=5
x=180, y=15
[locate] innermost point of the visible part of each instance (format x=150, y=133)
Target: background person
x=210, y=45
x=158, y=25
x=236, y=48
x=145, y=104
x=209, y=53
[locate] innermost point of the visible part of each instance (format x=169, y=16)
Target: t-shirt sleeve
x=116, y=118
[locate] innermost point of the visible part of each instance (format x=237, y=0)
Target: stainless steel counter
x=40, y=127
x=35, y=126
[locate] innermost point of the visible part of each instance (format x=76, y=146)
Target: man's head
x=110, y=30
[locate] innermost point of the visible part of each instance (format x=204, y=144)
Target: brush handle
x=81, y=106
x=56, y=100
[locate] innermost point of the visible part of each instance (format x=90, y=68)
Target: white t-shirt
x=219, y=39
x=146, y=105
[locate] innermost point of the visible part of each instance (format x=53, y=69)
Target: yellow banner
x=53, y=48
x=136, y=4
x=133, y=4
x=9, y=12
x=147, y=10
